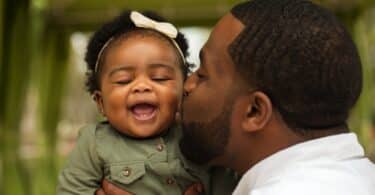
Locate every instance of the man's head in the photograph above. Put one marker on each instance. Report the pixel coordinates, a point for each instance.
(302, 58)
(275, 70)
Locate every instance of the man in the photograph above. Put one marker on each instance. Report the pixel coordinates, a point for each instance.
(271, 98)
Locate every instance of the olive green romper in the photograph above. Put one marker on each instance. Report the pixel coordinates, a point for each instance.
(140, 166)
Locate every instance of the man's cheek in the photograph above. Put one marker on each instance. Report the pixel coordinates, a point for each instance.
(188, 110)
(200, 113)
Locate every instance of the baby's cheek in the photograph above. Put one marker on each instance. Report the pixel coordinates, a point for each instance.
(171, 102)
(172, 93)
(175, 99)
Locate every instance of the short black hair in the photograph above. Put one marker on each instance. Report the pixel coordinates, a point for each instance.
(116, 29)
(300, 56)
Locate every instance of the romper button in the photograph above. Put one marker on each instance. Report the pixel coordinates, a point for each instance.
(160, 147)
(170, 181)
(126, 172)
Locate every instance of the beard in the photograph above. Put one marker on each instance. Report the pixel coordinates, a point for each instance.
(202, 142)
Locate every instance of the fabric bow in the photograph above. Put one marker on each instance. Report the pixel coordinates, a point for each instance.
(142, 21)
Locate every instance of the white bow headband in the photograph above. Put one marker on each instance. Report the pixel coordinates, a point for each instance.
(142, 21)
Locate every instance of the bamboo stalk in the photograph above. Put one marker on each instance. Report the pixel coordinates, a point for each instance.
(14, 178)
(2, 63)
(362, 118)
(51, 91)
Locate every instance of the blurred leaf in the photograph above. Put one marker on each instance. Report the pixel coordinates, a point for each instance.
(15, 70)
(363, 113)
(46, 32)
(51, 83)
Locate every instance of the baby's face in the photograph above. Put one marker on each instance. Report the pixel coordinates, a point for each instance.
(141, 86)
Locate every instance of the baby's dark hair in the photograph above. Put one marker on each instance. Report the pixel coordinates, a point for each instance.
(300, 56)
(117, 29)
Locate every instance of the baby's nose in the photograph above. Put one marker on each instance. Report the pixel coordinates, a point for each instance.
(141, 87)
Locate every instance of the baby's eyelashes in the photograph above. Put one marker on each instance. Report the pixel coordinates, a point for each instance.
(122, 78)
(123, 82)
(155, 79)
(161, 79)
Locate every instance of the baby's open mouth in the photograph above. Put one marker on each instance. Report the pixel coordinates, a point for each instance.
(144, 111)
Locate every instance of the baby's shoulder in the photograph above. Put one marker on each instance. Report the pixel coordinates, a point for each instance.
(87, 132)
(93, 132)
(104, 129)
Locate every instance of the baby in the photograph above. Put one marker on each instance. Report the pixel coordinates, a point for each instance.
(136, 68)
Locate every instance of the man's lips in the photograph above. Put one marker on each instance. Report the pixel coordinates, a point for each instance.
(144, 111)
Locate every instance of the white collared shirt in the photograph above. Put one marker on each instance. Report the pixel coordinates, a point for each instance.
(333, 165)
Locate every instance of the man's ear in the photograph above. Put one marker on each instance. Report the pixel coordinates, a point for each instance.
(258, 112)
(97, 96)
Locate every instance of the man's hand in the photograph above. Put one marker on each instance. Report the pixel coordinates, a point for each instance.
(195, 189)
(110, 189)
(99, 192)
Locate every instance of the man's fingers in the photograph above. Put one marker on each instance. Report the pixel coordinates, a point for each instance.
(100, 192)
(194, 189)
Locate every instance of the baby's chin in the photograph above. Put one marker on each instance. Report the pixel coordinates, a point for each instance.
(143, 131)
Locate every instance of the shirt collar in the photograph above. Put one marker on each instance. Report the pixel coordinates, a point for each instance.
(335, 147)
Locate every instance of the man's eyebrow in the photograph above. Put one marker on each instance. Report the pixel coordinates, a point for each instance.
(121, 68)
(202, 58)
(201, 55)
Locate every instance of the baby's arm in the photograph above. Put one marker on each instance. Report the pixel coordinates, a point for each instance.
(82, 174)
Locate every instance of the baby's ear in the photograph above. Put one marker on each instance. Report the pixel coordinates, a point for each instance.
(97, 97)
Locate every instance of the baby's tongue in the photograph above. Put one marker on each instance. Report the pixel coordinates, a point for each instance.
(143, 110)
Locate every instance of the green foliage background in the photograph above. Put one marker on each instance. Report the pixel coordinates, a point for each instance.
(34, 53)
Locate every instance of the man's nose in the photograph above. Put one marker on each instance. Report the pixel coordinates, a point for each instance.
(190, 84)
